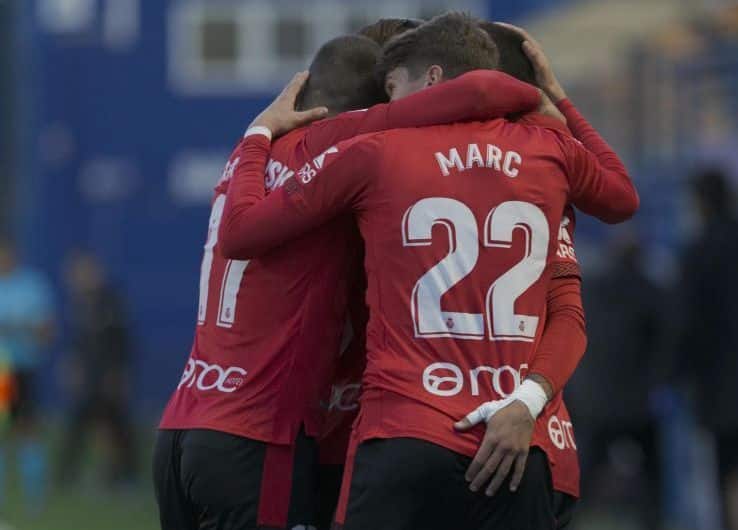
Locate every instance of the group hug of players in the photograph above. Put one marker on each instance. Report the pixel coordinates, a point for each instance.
(448, 211)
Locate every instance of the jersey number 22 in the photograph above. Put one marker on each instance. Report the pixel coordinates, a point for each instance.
(502, 322)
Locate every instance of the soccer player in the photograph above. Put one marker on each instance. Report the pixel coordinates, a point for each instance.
(342, 406)
(554, 359)
(564, 339)
(236, 446)
(459, 222)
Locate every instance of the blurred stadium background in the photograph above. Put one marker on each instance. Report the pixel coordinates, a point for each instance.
(116, 117)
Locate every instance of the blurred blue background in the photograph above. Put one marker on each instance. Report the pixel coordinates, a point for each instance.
(122, 115)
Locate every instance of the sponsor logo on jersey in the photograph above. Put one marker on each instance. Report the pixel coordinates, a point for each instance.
(205, 377)
(276, 174)
(448, 379)
(566, 244)
(230, 167)
(561, 433)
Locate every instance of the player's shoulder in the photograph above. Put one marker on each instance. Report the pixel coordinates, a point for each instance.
(553, 137)
(561, 138)
(529, 137)
(357, 152)
(339, 120)
(516, 128)
(361, 151)
(545, 121)
(548, 129)
(365, 142)
(287, 145)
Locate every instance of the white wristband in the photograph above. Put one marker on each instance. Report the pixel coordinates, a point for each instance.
(532, 395)
(258, 130)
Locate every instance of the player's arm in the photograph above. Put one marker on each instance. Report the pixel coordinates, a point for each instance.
(475, 96)
(511, 421)
(600, 183)
(564, 338)
(252, 224)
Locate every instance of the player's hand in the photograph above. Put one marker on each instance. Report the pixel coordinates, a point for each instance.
(281, 117)
(547, 108)
(545, 76)
(504, 448)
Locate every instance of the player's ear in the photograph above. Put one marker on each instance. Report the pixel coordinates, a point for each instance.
(433, 75)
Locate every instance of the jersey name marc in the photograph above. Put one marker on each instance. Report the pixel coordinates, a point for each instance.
(507, 162)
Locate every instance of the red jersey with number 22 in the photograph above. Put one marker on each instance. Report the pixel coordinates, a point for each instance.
(459, 223)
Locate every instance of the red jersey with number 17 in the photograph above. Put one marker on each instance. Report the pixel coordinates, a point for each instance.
(269, 329)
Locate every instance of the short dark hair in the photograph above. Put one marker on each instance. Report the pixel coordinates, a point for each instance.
(386, 28)
(454, 41)
(512, 58)
(342, 76)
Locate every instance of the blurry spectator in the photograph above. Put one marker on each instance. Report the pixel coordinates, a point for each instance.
(26, 326)
(609, 393)
(709, 345)
(97, 372)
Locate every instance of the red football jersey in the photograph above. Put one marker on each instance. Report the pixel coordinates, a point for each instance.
(554, 431)
(459, 223)
(343, 406)
(269, 328)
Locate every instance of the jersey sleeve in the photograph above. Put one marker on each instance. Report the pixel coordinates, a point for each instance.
(252, 224)
(564, 338)
(475, 96)
(599, 182)
(564, 261)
